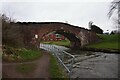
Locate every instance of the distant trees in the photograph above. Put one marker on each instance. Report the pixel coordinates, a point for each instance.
(5, 28)
(11, 35)
(95, 28)
(112, 32)
(6, 19)
(115, 32)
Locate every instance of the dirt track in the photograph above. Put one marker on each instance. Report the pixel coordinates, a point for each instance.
(41, 70)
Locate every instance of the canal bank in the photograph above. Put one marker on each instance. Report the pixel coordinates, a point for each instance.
(108, 44)
(115, 51)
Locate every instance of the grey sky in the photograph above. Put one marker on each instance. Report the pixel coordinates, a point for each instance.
(74, 12)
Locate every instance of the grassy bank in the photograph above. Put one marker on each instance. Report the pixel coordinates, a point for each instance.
(20, 54)
(108, 42)
(61, 43)
(55, 70)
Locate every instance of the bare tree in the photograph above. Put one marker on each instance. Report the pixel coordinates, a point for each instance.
(11, 33)
(115, 6)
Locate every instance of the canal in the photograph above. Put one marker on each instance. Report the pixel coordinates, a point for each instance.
(89, 64)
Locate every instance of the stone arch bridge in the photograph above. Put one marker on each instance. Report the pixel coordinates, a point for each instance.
(78, 36)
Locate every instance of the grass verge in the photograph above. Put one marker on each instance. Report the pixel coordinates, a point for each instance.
(60, 43)
(55, 70)
(108, 42)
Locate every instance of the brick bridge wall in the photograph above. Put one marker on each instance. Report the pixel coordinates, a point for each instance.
(79, 36)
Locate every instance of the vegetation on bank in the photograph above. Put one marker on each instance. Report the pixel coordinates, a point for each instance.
(61, 43)
(107, 42)
(55, 70)
(11, 54)
(14, 43)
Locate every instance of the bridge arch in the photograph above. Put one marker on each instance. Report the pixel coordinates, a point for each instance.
(74, 40)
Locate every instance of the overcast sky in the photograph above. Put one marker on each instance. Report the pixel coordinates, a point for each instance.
(75, 12)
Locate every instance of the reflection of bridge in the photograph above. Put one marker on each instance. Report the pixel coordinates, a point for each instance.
(78, 36)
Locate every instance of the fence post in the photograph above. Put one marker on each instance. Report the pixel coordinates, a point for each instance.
(62, 56)
(49, 47)
(71, 66)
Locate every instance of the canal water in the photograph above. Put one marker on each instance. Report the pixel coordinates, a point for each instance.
(89, 64)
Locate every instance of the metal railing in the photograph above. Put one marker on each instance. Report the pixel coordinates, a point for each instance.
(60, 56)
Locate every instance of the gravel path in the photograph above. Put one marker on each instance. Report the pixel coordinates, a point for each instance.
(41, 69)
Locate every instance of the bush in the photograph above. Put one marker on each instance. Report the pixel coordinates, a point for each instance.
(11, 54)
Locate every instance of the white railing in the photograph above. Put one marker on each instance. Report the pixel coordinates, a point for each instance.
(60, 56)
